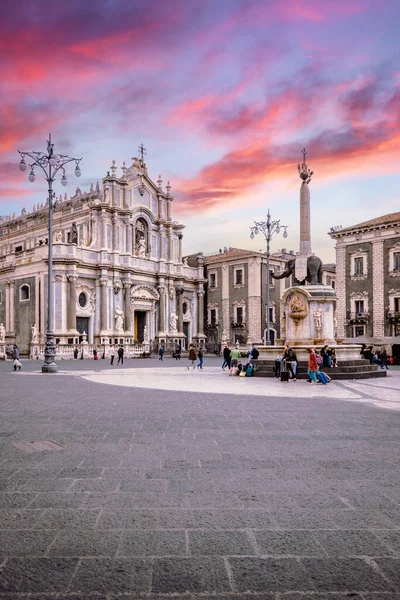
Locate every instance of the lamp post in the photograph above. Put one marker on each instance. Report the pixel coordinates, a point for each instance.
(268, 228)
(50, 164)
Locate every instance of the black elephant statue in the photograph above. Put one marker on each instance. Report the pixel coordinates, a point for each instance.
(314, 271)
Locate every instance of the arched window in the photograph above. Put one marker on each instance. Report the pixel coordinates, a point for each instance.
(24, 293)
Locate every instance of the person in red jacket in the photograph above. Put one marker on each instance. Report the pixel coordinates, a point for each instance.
(312, 365)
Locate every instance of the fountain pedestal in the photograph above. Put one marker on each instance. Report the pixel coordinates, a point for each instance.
(307, 315)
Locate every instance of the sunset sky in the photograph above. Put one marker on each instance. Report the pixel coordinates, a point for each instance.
(224, 94)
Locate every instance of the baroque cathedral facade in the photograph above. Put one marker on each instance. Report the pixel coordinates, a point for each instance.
(118, 272)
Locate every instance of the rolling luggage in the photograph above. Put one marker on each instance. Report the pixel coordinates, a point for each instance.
(284, 371)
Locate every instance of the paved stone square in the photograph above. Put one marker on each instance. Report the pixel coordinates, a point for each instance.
(165, 483)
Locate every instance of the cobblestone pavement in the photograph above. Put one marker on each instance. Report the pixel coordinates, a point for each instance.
(160, 491)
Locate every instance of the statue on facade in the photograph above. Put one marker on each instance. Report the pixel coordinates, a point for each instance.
(74, 233)
(172, 322)
(141, 248)
(171, 292)
(2, 334)
(119, 319)
(58, 237)
(35, 334)
(145, 335)
(317, 319)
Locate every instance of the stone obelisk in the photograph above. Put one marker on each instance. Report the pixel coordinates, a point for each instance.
(305, 223)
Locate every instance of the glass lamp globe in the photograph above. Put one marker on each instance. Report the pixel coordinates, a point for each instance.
(31, 176)
(256, 230)
(22, 164)
(64, 180)
(285, 234)
(252, 235)
(78, 172)
(52, 162)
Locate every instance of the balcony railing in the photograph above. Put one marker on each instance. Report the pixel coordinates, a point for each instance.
(357, 317)
(393, 316)
(240, 325)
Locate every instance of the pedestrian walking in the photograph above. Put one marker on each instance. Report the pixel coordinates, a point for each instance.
(192, 357)
(112, 354)
(161, 352)
(17, 364)
(227, 358)
(200, 356)
(95, 355)
(120, 355)
(384, 360)
(312, 365)
(235, 356)
(178, 352)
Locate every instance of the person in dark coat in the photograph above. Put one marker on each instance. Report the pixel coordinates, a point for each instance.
(192, 356)
(200, 356)
(254, 353)
(227, 358)
(161, 353)
(120, 355)
(326, 356)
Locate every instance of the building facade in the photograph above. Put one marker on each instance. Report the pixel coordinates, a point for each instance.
(236, 294)
(368, 279)
(118, 270)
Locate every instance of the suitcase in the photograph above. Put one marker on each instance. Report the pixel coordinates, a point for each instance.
(285, 376)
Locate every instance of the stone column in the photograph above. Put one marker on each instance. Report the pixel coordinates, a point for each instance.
(161, 240)
(180, 236)
(378, 305)
(71, 302)
(127, 306)
(103, 304)
(103, 231)
(226, 323)
(200, 313)
(12, 301)
(305, 223)
(254, 317)
(37, 308)
(168, 210)
(179, 293)
(161, 324)
(170, 246)
(7, 323)
(340, 290)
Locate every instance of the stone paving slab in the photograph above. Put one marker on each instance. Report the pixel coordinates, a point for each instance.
(163, 493)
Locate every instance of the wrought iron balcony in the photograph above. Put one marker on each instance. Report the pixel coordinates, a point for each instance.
(393, 316)
(355, 318)
(212, 326)
(240, 325)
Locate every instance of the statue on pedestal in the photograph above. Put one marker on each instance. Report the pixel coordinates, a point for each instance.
(119, 319)
(74, 233)
(2, 334)
(145, 335)
(172, 322)
(317, 319)
(35, 334)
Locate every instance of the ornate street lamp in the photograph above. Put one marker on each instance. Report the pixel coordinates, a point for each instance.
(50, 164)
(268, 228)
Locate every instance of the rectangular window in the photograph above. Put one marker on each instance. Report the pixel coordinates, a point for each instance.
(396, 261)
(239, 277)
(239, 315)
(396, 304)
(359, 331)
(333, 284)
(271, 315)
(213, 316)
(18, 249)
(358, 266)
(359, 306)
(213, 280)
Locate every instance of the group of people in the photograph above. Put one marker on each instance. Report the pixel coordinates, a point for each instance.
(380, 358)
(232, 361)
(120, 353)
(317, 362)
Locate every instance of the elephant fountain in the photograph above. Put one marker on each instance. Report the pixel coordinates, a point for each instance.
(314, 271)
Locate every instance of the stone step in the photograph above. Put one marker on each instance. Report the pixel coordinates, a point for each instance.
(335, 376)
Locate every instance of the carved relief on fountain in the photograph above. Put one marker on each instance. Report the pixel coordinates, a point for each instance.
(298, 307)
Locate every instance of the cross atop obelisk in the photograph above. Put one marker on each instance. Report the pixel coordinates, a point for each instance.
(305, 224)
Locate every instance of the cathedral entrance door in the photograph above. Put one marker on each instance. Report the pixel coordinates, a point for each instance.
(140, 322)
(82, 325)
(186, 333)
